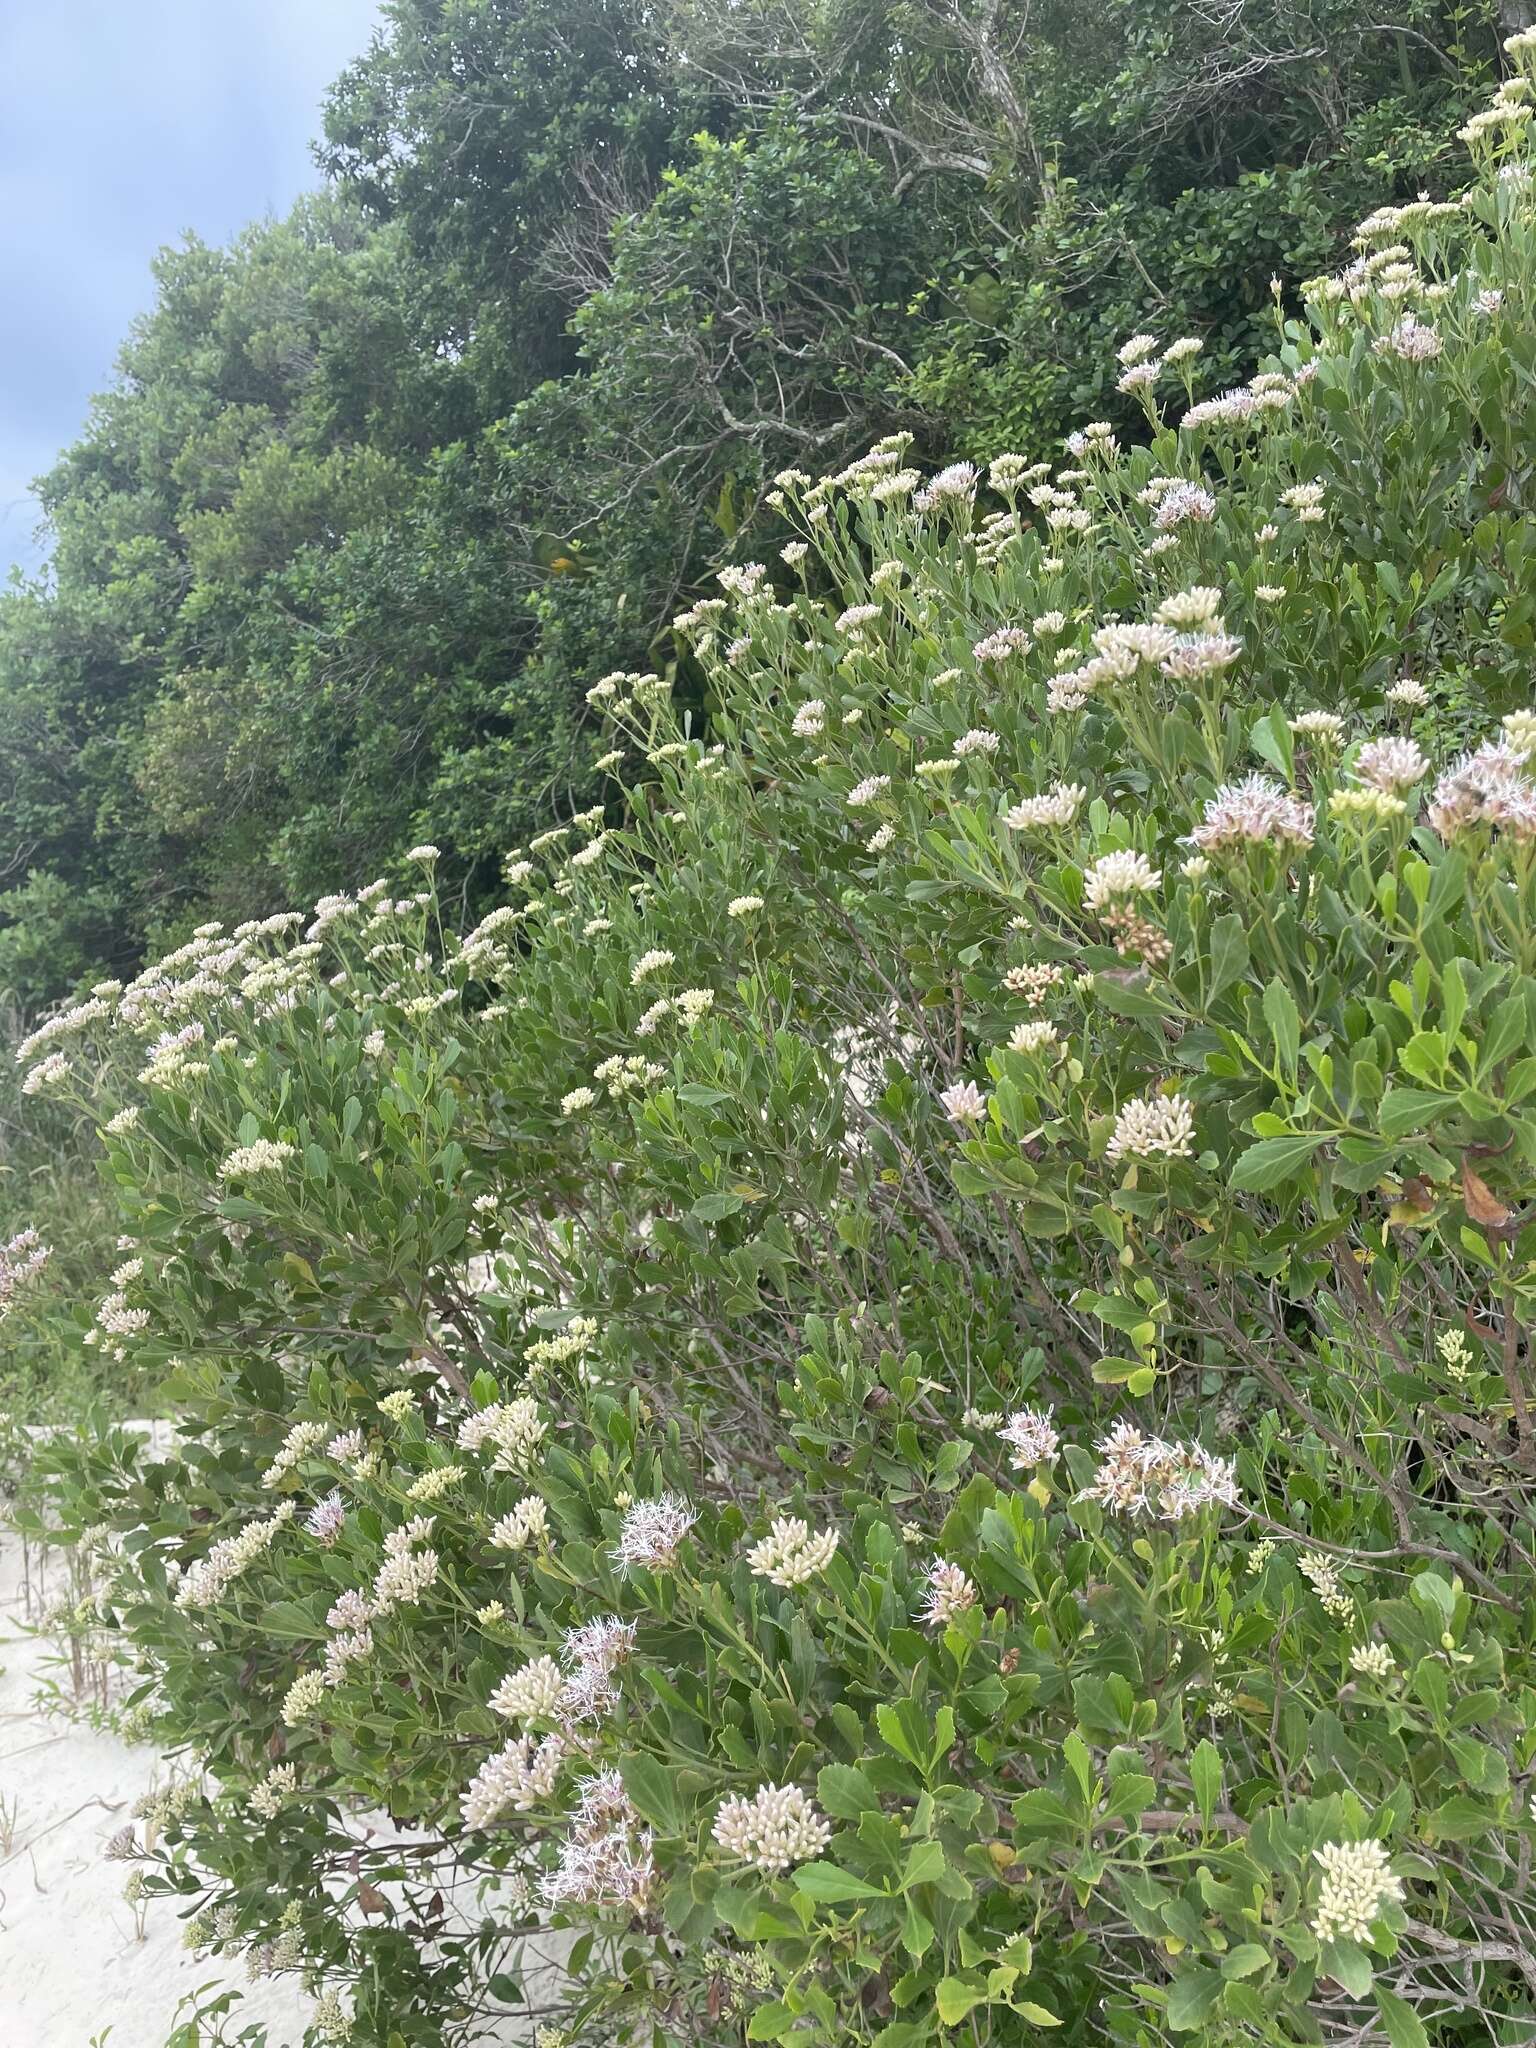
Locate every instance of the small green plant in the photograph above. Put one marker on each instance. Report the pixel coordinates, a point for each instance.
(899, 1402)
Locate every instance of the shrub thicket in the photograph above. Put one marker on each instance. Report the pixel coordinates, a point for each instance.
(903, 1395)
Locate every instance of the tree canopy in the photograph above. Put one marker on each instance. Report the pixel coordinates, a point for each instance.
(376, 486)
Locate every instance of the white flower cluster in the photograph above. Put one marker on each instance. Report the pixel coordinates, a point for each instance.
(526, 1523)
(266, 1155)
(652, 962)
(792, 1553)
(206, 1582)
(1114, 876)
(1322, 1574)
(652, 1531)
(531, 1693)
(1141, 1475)
(268, 1799)
(303, 1438)
(513, 1780)
(516, 1428)
(1372, 1660)
(1031, 1437)
(406, 1572)
(1357, 1882)
(1153, 1127)
(1055, 809)
(776, 1827)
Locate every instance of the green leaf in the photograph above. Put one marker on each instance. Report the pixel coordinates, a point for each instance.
(1205, 1774)
(1404, 2027)
(1130, 1795)
(845, 1792)
(1273, 1160)
(954, 1997)
(714, 1208)
(769, 2022)
(830, 1886)
(1229, 952)
(891, 1723)
(652, 1786)
(1284, 1022)
(1409, 1109)
(1192, 1998)
(1246, 1960)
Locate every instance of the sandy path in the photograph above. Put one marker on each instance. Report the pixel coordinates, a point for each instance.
(72, 1971)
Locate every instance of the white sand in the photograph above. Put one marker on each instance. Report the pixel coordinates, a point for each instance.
(72, 1969)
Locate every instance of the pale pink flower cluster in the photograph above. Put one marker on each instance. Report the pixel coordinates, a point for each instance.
(607, 1859)
(1185, 503)
(1254, 812)
(1412, 339)
(20, 1261)
(776, 1827)
(1142, 1475)
(1391, 764)
(963, 1103)
(954, 485)
(947, 1592)
(327, 1518)
(593, 1654)
(1489, 787)
(1000, 645)
(1033, 980)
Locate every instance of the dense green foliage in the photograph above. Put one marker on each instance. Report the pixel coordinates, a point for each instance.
(377, 482)
(901, 1397)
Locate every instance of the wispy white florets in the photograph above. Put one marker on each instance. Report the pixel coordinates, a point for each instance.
(652, 1531)
(1031, 1437)
(1140, 1475)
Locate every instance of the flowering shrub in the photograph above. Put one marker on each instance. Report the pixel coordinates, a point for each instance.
(901, 1397)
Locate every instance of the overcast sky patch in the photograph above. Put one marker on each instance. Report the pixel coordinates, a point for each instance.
(123, 124)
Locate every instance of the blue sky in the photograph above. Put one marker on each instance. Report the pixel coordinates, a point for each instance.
(123, 123)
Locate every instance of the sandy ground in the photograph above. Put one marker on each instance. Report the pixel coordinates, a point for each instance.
(73, 1971)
